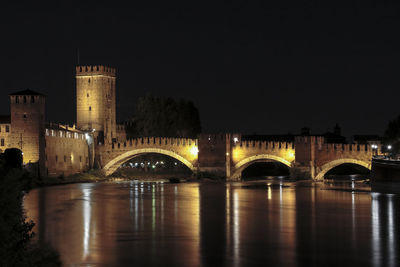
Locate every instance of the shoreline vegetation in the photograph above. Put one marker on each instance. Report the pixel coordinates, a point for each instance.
(17, 246)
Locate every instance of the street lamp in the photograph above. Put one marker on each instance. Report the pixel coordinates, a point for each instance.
(375, 149)
(389, 147)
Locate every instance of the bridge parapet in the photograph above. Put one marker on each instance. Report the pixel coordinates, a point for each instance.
(264, 144)
(154, 141)
(329, 152)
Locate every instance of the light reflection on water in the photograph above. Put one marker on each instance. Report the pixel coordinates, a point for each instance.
(212, 224)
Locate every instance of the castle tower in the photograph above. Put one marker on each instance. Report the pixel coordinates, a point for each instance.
(28, 126)
(95, 101)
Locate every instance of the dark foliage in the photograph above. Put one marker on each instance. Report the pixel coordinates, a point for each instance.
(392, 136)
(16, 246)
(13, 158)
(166, 117)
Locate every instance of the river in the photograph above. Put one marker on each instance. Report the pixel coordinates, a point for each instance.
(217, 224)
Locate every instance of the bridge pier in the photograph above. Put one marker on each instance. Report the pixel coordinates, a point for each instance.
(298, 171)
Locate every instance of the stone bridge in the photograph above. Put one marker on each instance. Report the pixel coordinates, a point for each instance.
(245, 153)
(113, 155)
(226, 155)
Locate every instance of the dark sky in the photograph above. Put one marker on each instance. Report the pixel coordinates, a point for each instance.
(250, 68)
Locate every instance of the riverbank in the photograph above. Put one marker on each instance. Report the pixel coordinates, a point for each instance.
(87, 177)
(95, 176)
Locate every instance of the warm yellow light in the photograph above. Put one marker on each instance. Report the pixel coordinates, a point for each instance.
(290, 155)
(194, 150)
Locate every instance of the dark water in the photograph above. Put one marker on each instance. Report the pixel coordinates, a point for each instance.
(239, 224)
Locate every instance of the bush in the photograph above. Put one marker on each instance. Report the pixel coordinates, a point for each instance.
(16, 246)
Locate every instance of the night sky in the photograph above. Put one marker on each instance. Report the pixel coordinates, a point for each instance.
(250, 68)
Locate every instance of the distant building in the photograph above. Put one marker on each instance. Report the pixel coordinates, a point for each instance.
(53, 149)
(5, 125)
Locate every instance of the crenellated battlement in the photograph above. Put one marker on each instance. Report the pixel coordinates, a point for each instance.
(156, 141)
(95, 70)
(332, 147)
(249, 144)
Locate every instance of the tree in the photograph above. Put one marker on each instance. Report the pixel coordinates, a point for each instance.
(165, 117)
(392, 135)
(17, 247)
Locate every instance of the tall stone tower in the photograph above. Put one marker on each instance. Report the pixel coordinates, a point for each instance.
(95, 101)
(28, 127)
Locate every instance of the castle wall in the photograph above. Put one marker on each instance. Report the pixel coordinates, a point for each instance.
(66, 153)
(4, 136)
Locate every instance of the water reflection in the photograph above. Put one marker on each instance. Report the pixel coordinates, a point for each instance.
(87, 214)
(384, 231)
(160, 224)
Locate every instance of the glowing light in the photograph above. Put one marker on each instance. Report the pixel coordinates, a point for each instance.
(235, 139)
(389, 147)
(227, 153)
(269, 192)
(290, 155)
(194, 151)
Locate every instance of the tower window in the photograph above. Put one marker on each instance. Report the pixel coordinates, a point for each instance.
(90, 108)
(7, 128)
(32, 99)
(24, 115)
(88, 80)
(2, 142)
(87, 94)
(24, 98)
(17, 99)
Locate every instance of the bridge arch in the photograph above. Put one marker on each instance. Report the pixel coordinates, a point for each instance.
(113, 164)
(244, 163)
(332, 164)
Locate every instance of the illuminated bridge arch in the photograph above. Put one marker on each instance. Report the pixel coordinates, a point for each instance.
(113, 164)
(243, 164)
(332, 164)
